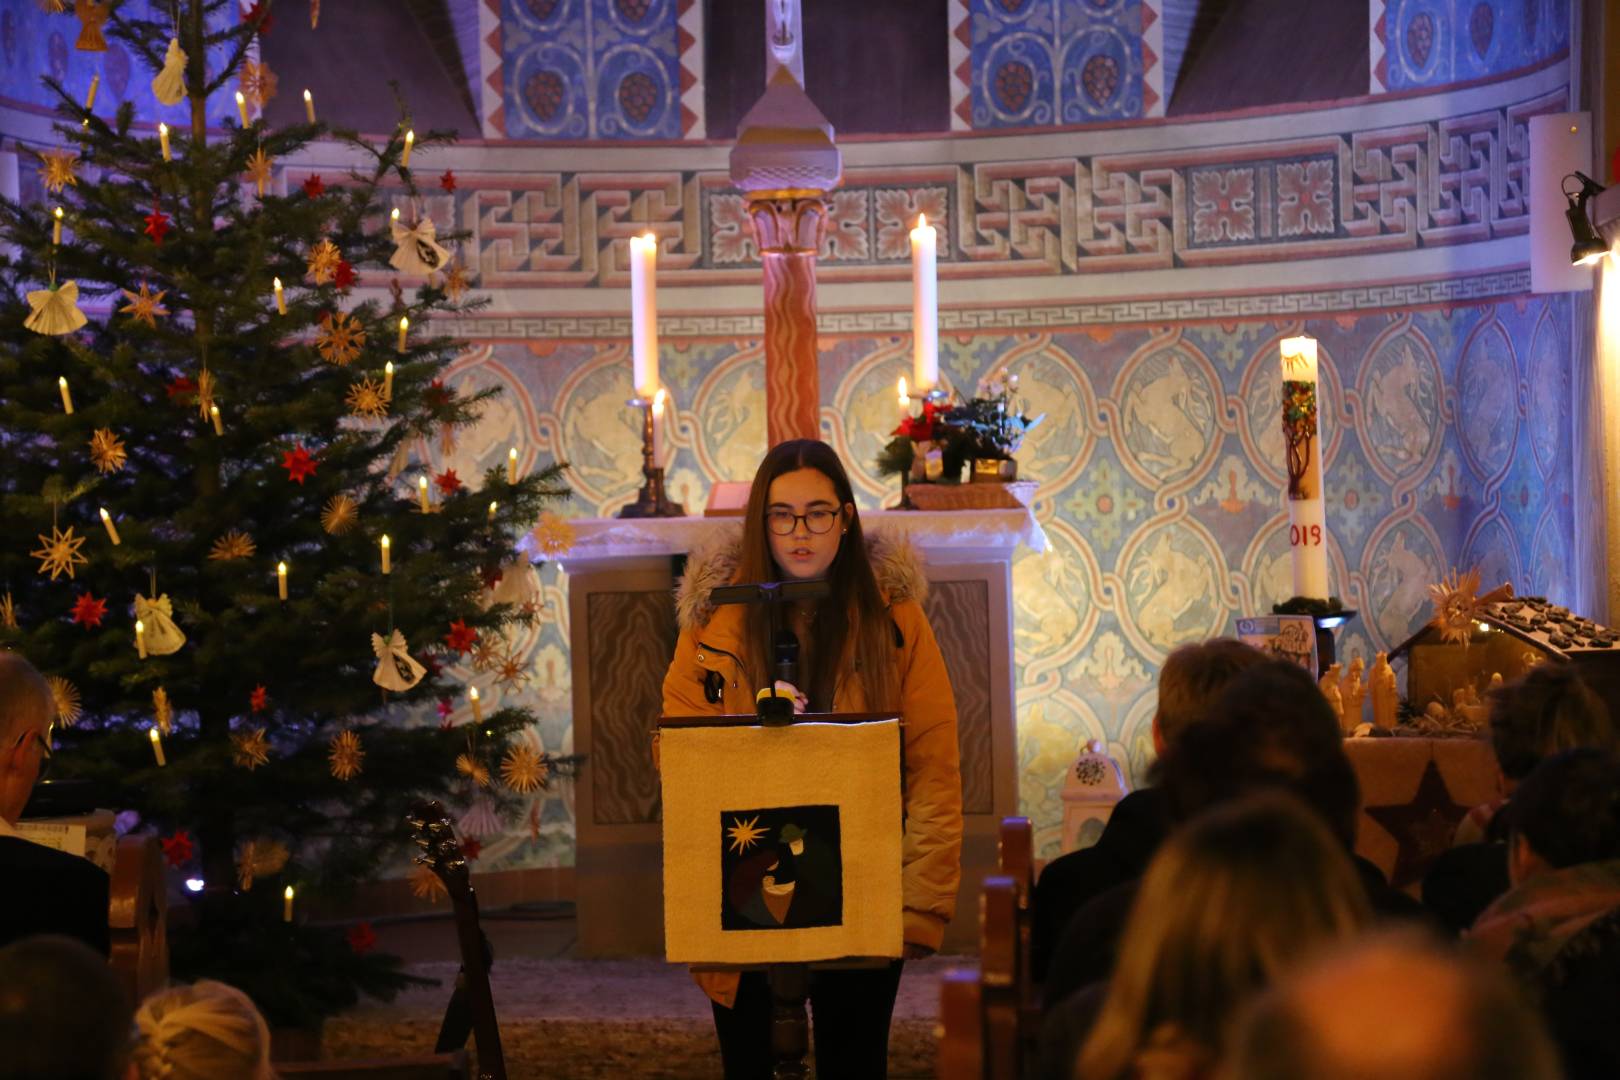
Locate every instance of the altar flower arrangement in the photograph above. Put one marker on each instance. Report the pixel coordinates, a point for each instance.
(987, 430)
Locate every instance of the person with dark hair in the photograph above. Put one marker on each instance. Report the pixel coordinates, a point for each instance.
(1394, 1007)
(1188, 682)
(867, 647)
(1269, 730)
(65, 894)
(1550, 709)
(63, 1014)
(1558, 927)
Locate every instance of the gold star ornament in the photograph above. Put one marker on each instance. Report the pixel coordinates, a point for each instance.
(250, 749)
(340, 338)
(323, 261)
(144, 306)
(366, 401)
(107, 451)
(473, 769)
(456, 281)
(61, 168)
(345, 755)
(258, 83)
(258, 169)
(59, 553)
(524, 769)
(339, 515)
(235, 544)
(65, 696)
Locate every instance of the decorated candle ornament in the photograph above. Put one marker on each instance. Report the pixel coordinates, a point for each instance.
(477, 704)
(163, 141)
(112, 530)
(140, 638)
(511, 465)
(281, 580)
(90, 98)
(644, 313)
(157, 745)
(241, 108)
(67, 398)
(56, 226)
(1302, 440)
(924, 307)
(309, 107)
(281, 297)
(219, 425)
(410, 141)
(287, 904)
(388, 381)
(404, 328)
(387, 551)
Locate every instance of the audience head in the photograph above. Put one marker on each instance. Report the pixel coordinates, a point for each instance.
(1189, 681)
(26, 713)
(207, 1031)
(1393, 1007)
(1565, 813)
(1550, 709)
(63, 1014)
(1232, 899)
(1270, 728)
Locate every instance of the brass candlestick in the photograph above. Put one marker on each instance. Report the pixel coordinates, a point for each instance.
(652, 502)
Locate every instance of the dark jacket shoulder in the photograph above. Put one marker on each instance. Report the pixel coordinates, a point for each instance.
(51, 892)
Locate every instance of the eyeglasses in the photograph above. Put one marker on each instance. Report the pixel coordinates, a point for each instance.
(44, 738)
(783, 522)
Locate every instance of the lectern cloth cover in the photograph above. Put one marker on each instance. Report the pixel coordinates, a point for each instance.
(781, 844)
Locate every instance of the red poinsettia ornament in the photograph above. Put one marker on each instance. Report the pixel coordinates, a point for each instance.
(448, 482)
(921, 428)
(344, 276)
(259, 700)
(461, 637)
(314, 186)
(448, 180)
(157, 224)
(299, 464)
(88, 611)
(177, 849)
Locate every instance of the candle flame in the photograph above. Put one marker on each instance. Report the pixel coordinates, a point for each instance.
(472, 693)
(306, 95)
(287, 892)
(922, 221)
(58, 213)
(404, 323)
(385, 540)
(277, 282)
(281, 568)
(140, 627)
(239, 98)
(153, 732)
(163, 129)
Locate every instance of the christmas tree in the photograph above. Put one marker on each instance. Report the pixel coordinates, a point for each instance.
(249, 582)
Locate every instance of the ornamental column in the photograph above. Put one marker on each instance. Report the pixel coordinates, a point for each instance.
(784, 163)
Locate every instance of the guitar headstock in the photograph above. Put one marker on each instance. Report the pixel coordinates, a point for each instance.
(435, 834)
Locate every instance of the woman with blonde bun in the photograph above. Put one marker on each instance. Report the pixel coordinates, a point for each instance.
(207, 1031)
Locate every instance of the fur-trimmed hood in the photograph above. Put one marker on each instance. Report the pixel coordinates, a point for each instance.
(895, 563)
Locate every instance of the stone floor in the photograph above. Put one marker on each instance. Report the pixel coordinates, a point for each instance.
(563, 1017)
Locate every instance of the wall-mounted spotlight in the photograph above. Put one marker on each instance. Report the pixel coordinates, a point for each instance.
(1589, 246)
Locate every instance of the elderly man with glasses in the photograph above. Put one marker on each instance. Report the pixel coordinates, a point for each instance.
(42, 891)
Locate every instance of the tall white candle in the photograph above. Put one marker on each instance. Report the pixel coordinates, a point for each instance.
(511, 466)
(90, 98)
(140, 639)
(924, 307)
(658, 427)
(157, 745)
(477, 704)
(241, 108)
(422, 493)
(67, 398)
(56, 226)
(1302, 440)
(281, 297)
(388, 381)
(644, 312)
(410, 141)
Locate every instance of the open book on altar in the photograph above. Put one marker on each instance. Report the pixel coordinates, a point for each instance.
(781, 843)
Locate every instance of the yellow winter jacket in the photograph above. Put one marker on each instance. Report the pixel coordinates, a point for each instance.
(711, 640)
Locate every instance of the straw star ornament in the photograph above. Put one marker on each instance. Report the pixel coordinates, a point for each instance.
(61, 168)
(340, 338)
(107, 451)
(144, 306)
(59, 553)
(365, 400)
(323, 261)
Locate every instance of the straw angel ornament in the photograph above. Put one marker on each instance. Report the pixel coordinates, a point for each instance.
(56, 309)
(157, 620)
(396, 670)
(416, 250)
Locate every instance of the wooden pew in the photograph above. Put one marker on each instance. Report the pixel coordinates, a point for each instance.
(961, 1026)
(1017, 860)
(138, 916)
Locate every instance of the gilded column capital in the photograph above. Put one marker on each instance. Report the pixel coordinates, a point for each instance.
(788, 223)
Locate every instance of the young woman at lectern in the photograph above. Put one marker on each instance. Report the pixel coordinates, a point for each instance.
(865, 648)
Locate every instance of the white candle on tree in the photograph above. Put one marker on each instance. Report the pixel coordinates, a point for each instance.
(1302, 442)
(924, 307)
(644, 313)
(163, 141)
(157, 745)
(387, 555)
(309, 106)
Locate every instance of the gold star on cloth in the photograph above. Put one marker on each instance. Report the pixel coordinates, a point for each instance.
(144, 306)
(473, 769)
(65, 696)
(340, 338)
(259, 858)
(235, 544)
(56, 310)
(323, 261)
(339, 515)
(524, 769)
(258, 83)
(162, 710)
(345, 755)
(744, 834)
(258, 169)
(59, 553)
(365, 400)
(8, 612)
(426, 885)
(61, 168)
(456, 281)
(250, 749)
(107, 451)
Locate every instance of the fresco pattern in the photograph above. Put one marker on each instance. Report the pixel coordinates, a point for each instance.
(1448, 444)
(1430, 43)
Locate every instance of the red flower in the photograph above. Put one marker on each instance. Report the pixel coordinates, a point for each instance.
(299, 464)
(89, 611)
(259, 700)
(362, 938)
(448, 180)
(181, 387)
(461, 637)
(344, 276)
(157, 223)
(257, 14)
(445, 708)
(177, 849)
(920, 428)
(472, 847)
(491, 576)
(437, 396)
(314, 187)
(448, 482)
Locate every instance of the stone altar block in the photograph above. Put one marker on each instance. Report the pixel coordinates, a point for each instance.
(621, 579)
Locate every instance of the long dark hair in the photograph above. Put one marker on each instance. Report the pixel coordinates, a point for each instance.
(853, 623)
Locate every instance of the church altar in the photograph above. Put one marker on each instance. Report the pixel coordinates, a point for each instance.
(621, 579)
